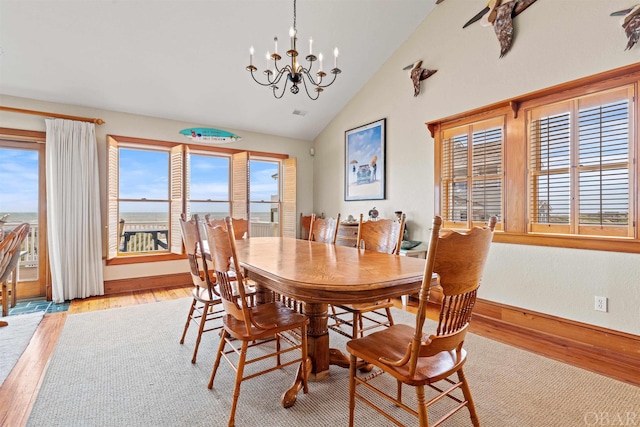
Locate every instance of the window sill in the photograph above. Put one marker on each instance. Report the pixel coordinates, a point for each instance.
(140, 259)
(573, 242)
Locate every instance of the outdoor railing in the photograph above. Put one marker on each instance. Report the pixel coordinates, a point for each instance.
(30, 244)
(138, 242)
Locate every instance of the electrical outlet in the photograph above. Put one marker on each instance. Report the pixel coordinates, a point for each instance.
(601, 304)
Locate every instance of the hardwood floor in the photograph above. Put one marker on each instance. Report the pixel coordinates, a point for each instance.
(19, 391)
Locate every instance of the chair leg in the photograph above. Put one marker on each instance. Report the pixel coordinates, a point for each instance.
(423, 416)
(203, 320)
(5, 299)
(239, 374)
(186, 326)
(466, 391)
(354, 327)
(278, 350)
(389, 316)
(352, 389)
(305, 360)
(216, 364)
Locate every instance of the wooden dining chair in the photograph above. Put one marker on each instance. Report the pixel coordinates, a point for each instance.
(305, 226)
(416, 359)
(205, 307)
(205, 294)
(240, 226)
(324, 230)
(247, 327)
(9, 258)
(383, 235)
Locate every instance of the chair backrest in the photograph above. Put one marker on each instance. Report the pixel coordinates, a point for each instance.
(193, 243)
(222, 245)
(10, 250)
(240, 226)
(324, 230)
(305, 226)
(383, 235)
(458, 259)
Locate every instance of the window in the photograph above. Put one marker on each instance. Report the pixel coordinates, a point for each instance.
(471, 173)
(152, 182)
(264, 197)
(579, 165)
(558, 167)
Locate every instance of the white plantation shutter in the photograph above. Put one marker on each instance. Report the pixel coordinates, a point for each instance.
(177, 198)
(187, 181)
(289, 188)
(240, 186)
(113, 222)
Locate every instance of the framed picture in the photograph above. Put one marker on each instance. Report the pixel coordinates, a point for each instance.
(365, 162)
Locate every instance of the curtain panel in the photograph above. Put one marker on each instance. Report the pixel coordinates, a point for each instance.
(73, 210)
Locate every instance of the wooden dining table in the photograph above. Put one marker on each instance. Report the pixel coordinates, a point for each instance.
(319, 274)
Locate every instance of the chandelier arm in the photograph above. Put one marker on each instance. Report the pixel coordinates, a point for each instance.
(260, 83)
(307, 90)
(276, 79)
(307, 72)
(283, 89)
(328, 84)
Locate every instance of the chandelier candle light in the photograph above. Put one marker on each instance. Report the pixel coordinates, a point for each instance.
(294, 72)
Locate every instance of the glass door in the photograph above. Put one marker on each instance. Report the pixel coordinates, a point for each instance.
(22, 195)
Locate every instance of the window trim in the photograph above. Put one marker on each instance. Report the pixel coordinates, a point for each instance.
(515, 154)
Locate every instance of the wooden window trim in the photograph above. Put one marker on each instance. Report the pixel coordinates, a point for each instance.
(515, 155)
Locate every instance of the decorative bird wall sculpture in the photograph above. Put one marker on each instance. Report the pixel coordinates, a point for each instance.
(417, 74)
(500, 14)
(631, 24)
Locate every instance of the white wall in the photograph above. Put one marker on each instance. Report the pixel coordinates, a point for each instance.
(161, 129)
(555, 41)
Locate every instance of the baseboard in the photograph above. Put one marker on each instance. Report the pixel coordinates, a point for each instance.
(133, 284)
(605, 351)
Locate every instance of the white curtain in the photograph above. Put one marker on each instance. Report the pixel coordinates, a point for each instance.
(73, 210)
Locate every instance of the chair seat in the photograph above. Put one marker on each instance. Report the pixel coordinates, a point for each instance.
(264, 315)
(391, 343)
(201, 294)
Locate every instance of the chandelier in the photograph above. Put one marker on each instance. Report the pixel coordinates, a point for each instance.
(294, 72)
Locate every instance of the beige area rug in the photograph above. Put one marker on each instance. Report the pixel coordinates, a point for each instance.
(125, 367)
(15, 338)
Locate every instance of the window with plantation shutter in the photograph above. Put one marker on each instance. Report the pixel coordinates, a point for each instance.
(580, 165)
(471, 173)
(558, 166)
(151, 183)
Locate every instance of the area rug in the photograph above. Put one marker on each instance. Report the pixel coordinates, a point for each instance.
(15, 338)
(125, 367)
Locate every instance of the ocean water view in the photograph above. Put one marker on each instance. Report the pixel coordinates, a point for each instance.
(137, 217)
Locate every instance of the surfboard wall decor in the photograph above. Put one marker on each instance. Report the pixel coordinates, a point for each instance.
(210, 135)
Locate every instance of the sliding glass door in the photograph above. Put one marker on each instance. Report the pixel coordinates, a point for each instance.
(22, 195)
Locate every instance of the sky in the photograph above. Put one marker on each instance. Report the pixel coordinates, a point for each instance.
(19, 178)
(139, 177)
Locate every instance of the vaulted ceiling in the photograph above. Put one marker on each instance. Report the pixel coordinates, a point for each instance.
(186, 59)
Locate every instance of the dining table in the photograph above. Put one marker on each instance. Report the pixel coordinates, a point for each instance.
(319, 274)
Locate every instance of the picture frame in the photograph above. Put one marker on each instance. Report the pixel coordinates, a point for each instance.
(365, 162)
